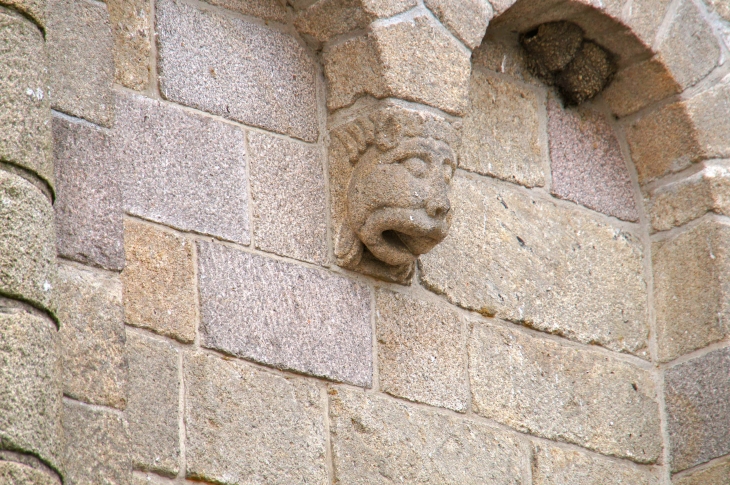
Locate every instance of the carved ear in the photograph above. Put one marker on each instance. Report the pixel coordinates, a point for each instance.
(348, 248)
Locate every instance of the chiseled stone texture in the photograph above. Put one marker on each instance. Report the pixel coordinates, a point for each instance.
(466, 19)
(709, 114)
(30, 394)
(92, 337)
(80, 48)
(27, 241)
(689, 48)
(289, 197)
(718, 474)
(222, 65)
(534, 262)
(564, 393)
(97, 446)
(175, 176)
(397, 59)
(154, 399)
(25, 109)
(245, 425)
(502, 134)
(680, 202)
(555, 466)
(159, 281)
(638, 86)
(698, 409)
(131, 25)
(285, 315)
(35, 9)
(379, 440)
(586, 162)
(88, 206)
(263, 9)
(421, 351)
(691, 288)
(501, 52)
(12, 473)
(328, 18)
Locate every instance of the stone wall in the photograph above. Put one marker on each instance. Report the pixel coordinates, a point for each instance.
(195, 322)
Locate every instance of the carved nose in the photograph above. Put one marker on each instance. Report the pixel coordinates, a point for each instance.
(438, 206)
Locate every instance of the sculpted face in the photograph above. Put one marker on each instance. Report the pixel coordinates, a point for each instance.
(397, 201)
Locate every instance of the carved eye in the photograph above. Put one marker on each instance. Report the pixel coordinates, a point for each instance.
(416, 166)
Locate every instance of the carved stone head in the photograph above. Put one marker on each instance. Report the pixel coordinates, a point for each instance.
(391, 170)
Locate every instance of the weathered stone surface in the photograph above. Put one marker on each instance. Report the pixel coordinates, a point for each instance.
(131, 24)
(97, 446)
(638, 86)
(352, 70)
(263, 9)
(467, 20)
(689, 49)
(154, 398)
(35, 9)
(500, 52)
(92, 337)
(555, 466)
(12, 473)
(173, 175)
(223, 65)
(644, 18)
(285, 315)
(25, 109)
(587, 165)
(662, 142)
(247, 425)
(544, 266)
(30, 396)
(708, 111)
(289, 197)
(719, 474)
(80, 48)
(379, 440)
(421, 351)
(328, 18)
(159, 281)
(680, 202)
(27, 241)
(698, 409)
(722, 7)
(503, 133)
(691, 288)
(564, 393)
(88, 206)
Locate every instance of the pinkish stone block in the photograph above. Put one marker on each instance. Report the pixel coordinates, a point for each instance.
(586, 161)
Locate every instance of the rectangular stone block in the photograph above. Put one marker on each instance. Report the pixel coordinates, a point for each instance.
(504, 130)
(467, 20)
(697, 395)
(174, 176)
(708, 111)
(677, 203)
(352, 69)
(380, 440)
(717, 474)
(245, 425)
(30, 394)
(154, 400)
(97, 446)
(263, 9)
(557, 466)
(586, 162)
(285, 315)
(222, 64)
(25, 108)
(131, 25)
(81, 60)
(691, 288)
(638, 86)
(564, 393)
(92, 336)
(88, 205)
(289, 197)
(159, 281)
(421, 351)
(533, 262)
(27, 242)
